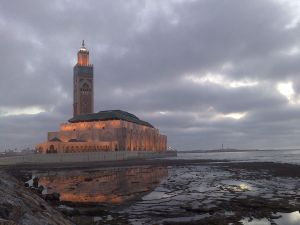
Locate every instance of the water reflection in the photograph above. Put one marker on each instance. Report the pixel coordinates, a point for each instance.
(289, 218)
(116, 185)
(284, 219)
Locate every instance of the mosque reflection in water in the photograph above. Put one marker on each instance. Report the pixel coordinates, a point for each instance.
(114, 186)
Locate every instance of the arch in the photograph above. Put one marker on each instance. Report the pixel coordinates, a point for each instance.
(51, 149)
(85, 86)
(40, 149)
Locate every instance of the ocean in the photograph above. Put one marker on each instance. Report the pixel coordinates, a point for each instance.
(280, 156)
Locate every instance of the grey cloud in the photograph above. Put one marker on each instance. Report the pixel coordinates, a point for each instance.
(141, 51)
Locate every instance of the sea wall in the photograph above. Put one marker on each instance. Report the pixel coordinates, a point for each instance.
(82, 157)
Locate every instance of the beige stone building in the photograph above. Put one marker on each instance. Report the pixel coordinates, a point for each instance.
(112, 130)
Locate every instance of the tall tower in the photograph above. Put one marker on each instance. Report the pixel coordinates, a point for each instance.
(83, 83)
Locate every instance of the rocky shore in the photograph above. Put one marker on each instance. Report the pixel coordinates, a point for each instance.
(167, 192)
(20, 206)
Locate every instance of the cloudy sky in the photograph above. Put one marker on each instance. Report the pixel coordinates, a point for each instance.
(205, 72)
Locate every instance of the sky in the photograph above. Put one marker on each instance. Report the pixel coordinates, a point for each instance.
(205, 72)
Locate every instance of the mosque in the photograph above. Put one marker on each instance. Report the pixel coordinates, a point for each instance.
(110, 130)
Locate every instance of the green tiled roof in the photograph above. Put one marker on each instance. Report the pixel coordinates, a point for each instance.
(109, 115)
(55, 139)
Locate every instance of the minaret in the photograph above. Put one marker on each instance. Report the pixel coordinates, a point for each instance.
(83, 83)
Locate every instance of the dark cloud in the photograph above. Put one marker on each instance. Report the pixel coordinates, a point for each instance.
(144, 54)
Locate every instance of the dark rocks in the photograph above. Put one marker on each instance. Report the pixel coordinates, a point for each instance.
(202, 210)
(93, 211)
(199, 195)
(88, 179)
(42, 207)
(35, 183)
(52, 197)
(4, 211)
(19, 205)
(70, 213)
(40, 189)
(275, 217)
(7, 222)
(56, 196)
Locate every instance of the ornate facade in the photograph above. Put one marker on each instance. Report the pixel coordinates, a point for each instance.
(113, 130)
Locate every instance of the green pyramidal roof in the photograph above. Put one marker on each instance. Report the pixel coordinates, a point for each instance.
(109, 115)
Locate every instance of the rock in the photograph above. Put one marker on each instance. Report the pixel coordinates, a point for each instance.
(40, 189)
(35, 183)
(52, 197)
(70, 212)
(26, 185)
(4, 211)
(56, 196)
(19, 205)
(202, 210)
(42, 207)
(7, 222)
(33, 188)
(274, 217)
(88, 179)
(109, 217)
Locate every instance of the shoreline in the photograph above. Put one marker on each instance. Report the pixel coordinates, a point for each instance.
(111, 164)
(276, 168)
(257, 170)
(82, 157)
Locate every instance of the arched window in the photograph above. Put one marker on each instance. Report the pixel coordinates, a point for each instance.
(51, 149)
(85, 88)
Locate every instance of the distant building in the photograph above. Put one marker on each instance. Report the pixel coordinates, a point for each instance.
(112, 130)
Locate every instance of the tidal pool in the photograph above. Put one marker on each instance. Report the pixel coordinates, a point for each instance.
(201, 194)
(114, 186)
(283, 219)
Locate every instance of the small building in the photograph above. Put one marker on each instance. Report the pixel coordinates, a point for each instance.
(112, 130)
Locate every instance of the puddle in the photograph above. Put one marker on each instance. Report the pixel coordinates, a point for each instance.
(156, 194)
(289, 218)
(115, 186)
(256, 222)
(234, 185)
(284, 219)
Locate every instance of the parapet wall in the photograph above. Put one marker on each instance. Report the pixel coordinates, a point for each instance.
(81, 157)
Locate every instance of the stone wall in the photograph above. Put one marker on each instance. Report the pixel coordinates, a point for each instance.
(81, 157)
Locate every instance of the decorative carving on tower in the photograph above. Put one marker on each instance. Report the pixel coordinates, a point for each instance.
(83, 83)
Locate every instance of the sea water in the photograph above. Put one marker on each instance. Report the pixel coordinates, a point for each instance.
(281, 156)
